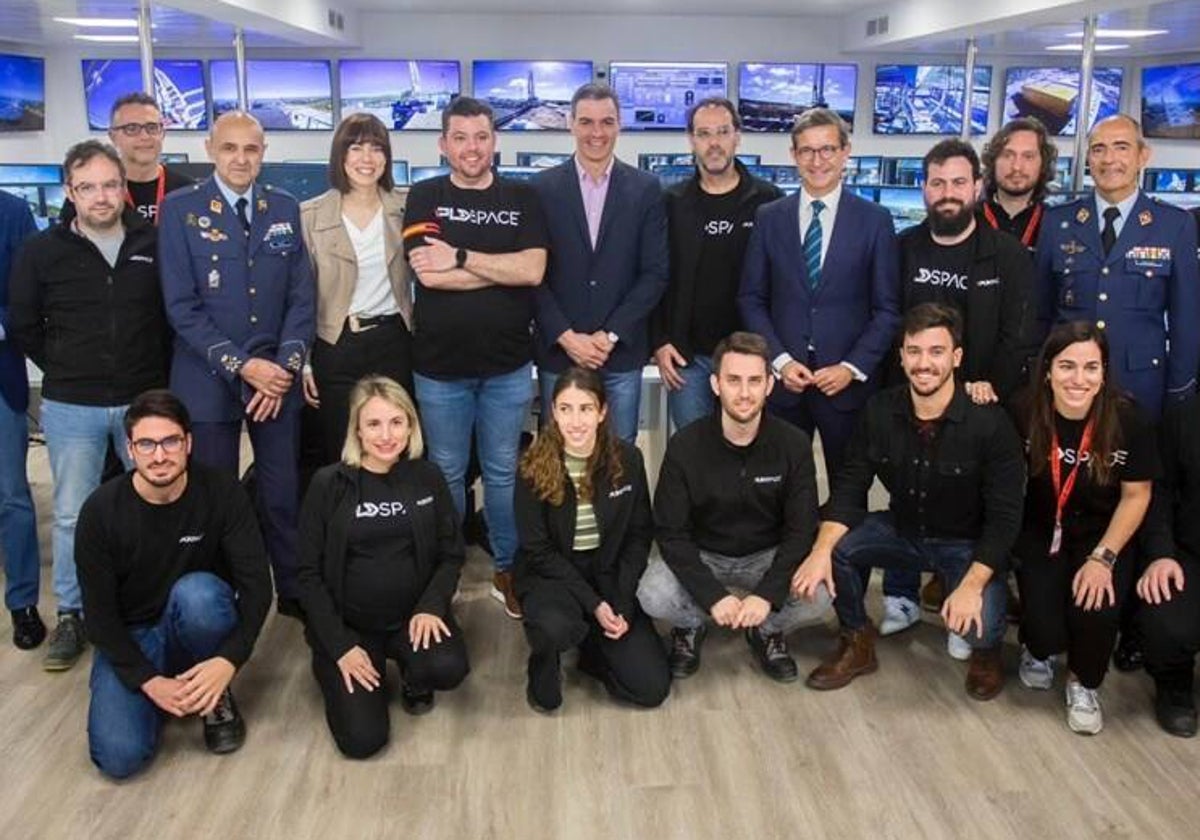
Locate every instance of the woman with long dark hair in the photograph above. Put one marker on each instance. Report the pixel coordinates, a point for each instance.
(1092, 459)
(585, 528)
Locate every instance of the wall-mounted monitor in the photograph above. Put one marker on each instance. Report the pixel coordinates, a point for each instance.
(1052, 95)
(529, 95)
(22, 93)
(903, 172)
(770, 96)
(928, 99)
(302, 180)
(424, 173)
(30, 173)
(174, 157)
(405, 95)
(519, 173)
(656, 95)
(864, 171)
(178, 86)
(400, 172)
(907, 206)
(292, 95)
(542, 160)
(1171, 101)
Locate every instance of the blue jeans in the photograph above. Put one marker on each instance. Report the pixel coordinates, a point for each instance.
(624, 392)
(876, 543)
(494, 408)
(77, 439)
(695, 399)
(18, 523)
(124, 724)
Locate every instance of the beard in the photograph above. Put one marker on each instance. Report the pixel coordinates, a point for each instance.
(950, 224)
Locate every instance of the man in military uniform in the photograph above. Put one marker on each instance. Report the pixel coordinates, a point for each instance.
(1128, 263)
(240, 295)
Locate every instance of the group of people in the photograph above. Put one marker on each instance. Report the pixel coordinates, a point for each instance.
(1020, 377)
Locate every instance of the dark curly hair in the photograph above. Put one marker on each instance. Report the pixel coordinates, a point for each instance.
(996, 145)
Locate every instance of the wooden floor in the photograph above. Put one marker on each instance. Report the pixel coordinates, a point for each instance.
(902, 753)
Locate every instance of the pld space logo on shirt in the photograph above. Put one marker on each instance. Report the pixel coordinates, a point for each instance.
(372, 510)
(942, 279)
(1069, 456)
(469, 216)
(718, 227)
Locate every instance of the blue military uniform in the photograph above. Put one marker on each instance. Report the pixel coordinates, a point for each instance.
(1144, 292)
(230, 296)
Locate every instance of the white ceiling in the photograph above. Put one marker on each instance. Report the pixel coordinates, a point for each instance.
(774, 8)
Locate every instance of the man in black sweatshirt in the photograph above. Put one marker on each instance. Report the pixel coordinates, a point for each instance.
(175, 587)
(735, 512)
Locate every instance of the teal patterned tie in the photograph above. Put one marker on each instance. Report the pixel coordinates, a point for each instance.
(812, 245)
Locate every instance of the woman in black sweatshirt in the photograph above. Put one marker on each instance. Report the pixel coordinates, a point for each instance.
(585, 527)
(380, 555)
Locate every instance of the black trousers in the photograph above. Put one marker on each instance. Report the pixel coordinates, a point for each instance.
(385, 350)
(632, 668)
(1170, 631)
(1051, 622)
(359, 722)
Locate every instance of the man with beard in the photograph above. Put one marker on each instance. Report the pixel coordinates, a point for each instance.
(952, 258)
(86, 307)
(175, 588)
(735, 510)
(1018, 164)
(955, 474)
(709, 219)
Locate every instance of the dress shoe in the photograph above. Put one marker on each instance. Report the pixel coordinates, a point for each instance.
(932, 595)
(503, 591)
(855, 656)
(1175, 711)
(1128, 656)
(985, 673)
(224, 728)
(28, 629)
(771, 651)
(543, 691)
(684, 658)
(416, 701)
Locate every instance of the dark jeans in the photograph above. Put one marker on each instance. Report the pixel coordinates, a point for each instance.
(633, 668)
(1051, 622)
(875, 543)
(359, 721)
(1170, 631)
(124, 725)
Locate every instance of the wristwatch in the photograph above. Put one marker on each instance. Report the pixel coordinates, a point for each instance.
(1103, 554)
(460, 257)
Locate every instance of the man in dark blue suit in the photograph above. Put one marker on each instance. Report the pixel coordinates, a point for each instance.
(18, 524)
(821, 282)
(608, 261)
(240, 295)
(1128, 263)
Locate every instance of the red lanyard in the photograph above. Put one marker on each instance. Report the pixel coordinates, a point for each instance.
(158, 192)
(1031, 226)
(1062, 492)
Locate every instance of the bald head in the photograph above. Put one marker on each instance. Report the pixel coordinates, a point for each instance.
(236, 146)
(1116, 156)
(1122, 122)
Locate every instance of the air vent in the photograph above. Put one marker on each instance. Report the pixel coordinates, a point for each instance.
(877, 26)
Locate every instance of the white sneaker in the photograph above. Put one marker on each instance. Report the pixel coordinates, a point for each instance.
(898, 614)
(958, 647)
(1083, 709)
(1037, 674)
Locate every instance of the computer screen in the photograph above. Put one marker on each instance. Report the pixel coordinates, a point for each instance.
(178, 86)
(1171, 101)
(771, 95)
(907, 206)
(529, 95)
(656, 95)
(405, 95)
(542, 160)
(424, 173)
(928, 99)
(400, 172)
(30, 173)
(292, 95)
(1052, 95)
(22, 93)
(302, 180)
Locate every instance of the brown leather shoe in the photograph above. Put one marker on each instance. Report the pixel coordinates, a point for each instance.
(502, 591)
(932, 595)
(855, 656)
(985, 673)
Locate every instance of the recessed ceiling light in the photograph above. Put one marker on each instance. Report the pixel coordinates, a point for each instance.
(1122, 33)
(100, 23)
(108, 39)
(1079, 47)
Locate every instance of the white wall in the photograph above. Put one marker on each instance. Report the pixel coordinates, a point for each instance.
(599, 38)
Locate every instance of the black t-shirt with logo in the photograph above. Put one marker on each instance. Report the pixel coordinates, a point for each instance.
(936, 273)
(381, 582)
(723, 241)
(483, 332)
(145, 193)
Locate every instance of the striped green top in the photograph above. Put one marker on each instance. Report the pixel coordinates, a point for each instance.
(587, 532)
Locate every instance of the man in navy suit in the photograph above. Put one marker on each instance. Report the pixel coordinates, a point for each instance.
(608, 261)
(239, 291)
(821, 283)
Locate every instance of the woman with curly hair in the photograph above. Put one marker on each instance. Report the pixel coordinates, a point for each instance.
(585, 527)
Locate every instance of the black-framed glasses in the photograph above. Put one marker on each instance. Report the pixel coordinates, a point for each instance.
(153, 129)
(146, 446)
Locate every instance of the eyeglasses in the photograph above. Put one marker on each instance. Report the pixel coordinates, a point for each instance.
(146, 446)
(153, 129)
(823, 152)
(709, 133)
(89, 190)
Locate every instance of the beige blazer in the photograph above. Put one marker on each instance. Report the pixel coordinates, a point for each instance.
(332, 256)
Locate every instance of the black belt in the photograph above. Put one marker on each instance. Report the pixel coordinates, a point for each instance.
(357, 324)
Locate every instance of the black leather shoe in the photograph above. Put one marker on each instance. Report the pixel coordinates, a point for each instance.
(1175, 710)
(1128, 656)
(772, 654)
(28, 629)
(224, 729)
(686, 642)
(415, 701)
(289, 607)
(543, 691)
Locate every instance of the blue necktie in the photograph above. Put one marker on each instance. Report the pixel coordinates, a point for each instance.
(812, 245)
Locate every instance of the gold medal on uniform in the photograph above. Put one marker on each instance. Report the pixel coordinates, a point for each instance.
(1083, 215)
(214, 206)
(1144, 218)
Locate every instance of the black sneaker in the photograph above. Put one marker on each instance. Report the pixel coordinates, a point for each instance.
(543, 691)
(415, 701)
(686, 642)
(772, 654)
(1175, 711)
(67, 641)
(28, 629)
(224, 729)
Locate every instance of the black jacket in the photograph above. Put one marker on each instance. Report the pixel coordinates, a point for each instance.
(332, 497)
(626, 531)
(99, 333)
(736, 500)
(999, 334)
(971, 489)
(670, 322)
(1172, 526)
